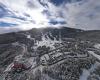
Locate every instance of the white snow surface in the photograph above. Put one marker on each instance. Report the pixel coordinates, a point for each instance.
(86, 73)
(19, 57)
(47, 42)
(9, 67)
(97, 46)
(95, 55)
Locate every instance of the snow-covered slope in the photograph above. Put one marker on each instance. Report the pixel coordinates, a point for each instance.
(48, 54)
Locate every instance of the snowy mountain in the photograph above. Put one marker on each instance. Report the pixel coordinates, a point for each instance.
(49, 54)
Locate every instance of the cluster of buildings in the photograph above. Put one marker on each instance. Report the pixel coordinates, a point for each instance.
(63, 50)
(66, 49)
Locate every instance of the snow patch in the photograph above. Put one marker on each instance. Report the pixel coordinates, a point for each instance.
(18, 58)
(15, 44)
(86, 73)
(9, 67)
(95, 55)
(32, 61)
(29, 36)
(97, 46)
(47, 42)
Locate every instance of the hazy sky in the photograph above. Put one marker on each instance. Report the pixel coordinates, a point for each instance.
(26, 14)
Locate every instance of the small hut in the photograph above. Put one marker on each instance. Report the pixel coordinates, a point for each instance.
(20, 66)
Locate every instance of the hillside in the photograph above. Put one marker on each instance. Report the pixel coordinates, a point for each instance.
(92, 35)
(50, 54)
